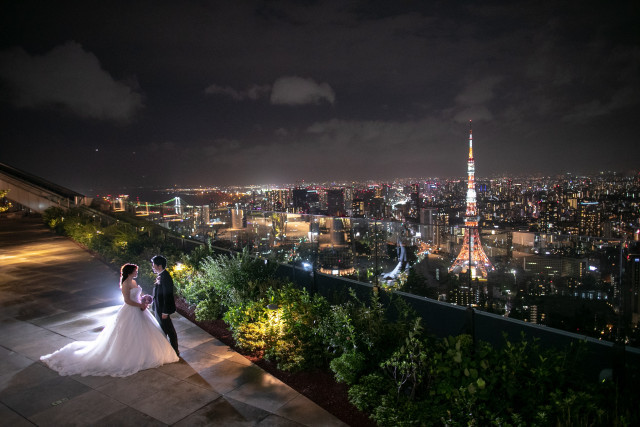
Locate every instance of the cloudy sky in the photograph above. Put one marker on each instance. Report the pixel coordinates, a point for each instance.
(97, 95)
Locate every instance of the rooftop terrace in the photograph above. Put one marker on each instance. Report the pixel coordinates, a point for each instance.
(53, 292)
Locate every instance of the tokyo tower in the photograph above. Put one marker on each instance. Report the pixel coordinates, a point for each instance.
(471, 254)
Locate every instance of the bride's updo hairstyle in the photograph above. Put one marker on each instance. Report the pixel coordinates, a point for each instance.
(126, 271)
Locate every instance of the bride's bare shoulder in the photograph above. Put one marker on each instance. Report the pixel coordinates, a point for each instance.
(127, 286)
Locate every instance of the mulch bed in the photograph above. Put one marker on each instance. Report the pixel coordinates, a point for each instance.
(318, 386)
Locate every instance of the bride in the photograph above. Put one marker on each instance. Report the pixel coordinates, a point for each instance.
(131, 341)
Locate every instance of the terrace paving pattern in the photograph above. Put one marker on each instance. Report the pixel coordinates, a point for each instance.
(53, 292)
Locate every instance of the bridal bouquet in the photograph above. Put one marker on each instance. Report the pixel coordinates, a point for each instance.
(146, 299)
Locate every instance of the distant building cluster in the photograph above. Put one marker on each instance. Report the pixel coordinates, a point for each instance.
(555, 242)
(606, 205)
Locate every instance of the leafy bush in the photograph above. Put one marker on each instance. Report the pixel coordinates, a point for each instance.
(80, 231)
(576, 408)
(367, 394)
(459, 380)
(53, 217)
(282, 325)
(5, 205)
(199, 254)
(408, 366)
(250, 324)
(193, 286)
(339, 331)
(348, 366)
(359, 336)
(403, 412)
(465, 384)
(187, 278)
(183, 276)
(223, 282)
(300, 346)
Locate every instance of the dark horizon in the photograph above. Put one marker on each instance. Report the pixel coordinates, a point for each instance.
(156, 192)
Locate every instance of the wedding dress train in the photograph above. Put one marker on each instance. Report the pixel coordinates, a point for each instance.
(130, 342)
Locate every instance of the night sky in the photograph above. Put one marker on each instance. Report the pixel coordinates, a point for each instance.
(99, 95)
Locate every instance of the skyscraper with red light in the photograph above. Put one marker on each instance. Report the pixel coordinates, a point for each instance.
(471, 254)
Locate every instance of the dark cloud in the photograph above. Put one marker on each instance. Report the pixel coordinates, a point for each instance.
(287, 90)
(295, 90)
(68, 77)
(275, 91)
(254, 92)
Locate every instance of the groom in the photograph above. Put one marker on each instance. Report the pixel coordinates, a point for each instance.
(163, 301)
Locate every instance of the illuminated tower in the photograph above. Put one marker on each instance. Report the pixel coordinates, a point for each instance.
(471, 254)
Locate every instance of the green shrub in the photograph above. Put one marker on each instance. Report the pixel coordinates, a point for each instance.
(282, 325)
(193, 286)
(207, 309)
(5, 205)
(250, 324)
(356, 327)
(577, 408)
(299, 346)
(79, 231)
(348, 367)
(53, 217)
(367, 394)
(230, 281)
(458, 364)
(402, 412)
(465, 384)
(338, 330)
(184, 276)
(408, 366)
(199, 254)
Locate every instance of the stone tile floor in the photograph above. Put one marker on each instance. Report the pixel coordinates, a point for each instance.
(53, 292)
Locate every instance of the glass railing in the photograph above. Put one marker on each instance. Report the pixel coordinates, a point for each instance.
(562, 281)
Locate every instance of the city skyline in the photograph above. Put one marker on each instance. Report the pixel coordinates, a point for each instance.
(164, 94)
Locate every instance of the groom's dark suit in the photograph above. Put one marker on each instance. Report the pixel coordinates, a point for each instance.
(164, 302)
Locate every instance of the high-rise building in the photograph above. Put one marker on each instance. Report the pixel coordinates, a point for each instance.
(415, 204)
(590, 219)
(348, 199)
(471, 257)
(357, 208)
(429, 218)
(335, 202)
(313, 199)
(206, 214)
(631, 287)
(300, 203)
(548, 215)
(278, 200)
(377, 208)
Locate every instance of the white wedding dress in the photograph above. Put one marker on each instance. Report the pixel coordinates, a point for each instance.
(130, 342)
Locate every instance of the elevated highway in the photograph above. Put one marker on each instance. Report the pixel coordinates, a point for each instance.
(37, 193)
